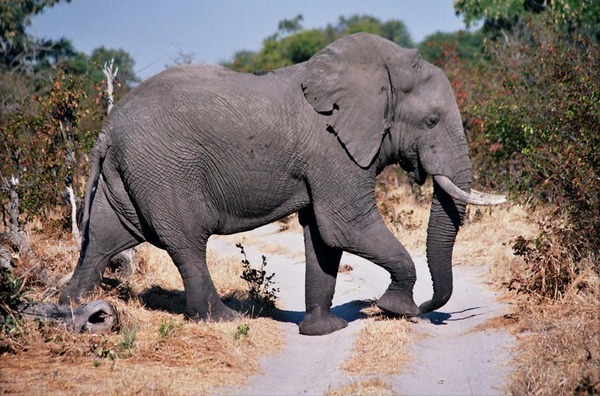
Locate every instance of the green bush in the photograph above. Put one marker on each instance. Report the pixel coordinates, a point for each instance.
(537, 130)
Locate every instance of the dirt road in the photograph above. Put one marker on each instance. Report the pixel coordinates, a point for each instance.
(453, 358)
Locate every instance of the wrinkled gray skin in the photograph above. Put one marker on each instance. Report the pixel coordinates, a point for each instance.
(200, 150)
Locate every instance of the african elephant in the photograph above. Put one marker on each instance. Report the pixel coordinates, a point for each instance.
(199, 150)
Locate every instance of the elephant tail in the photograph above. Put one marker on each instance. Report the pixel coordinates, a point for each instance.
(98, 154)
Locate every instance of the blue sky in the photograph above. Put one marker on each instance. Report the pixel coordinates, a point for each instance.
(155, 32)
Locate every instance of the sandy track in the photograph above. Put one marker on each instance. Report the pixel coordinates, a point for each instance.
(451, 359)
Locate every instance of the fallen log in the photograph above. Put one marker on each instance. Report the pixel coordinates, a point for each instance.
(94, 317)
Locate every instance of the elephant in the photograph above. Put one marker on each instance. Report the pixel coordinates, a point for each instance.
(199, 150)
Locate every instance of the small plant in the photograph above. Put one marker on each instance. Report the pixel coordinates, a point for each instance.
(128, 341)
(102, 350)
(260, 286)
(242, 331)
(10, 290)
(10, 297)
(549, 269)
(167, 328)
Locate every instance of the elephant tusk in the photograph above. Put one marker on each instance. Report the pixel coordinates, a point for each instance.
(474, 197)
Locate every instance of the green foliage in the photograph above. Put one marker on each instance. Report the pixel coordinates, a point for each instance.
(10, 293)
(102, 349)
(44, 140)
(438, 47)
(393, 30)
(288, 26)
(260, 286)
(11, 326)
(501, 17)
(16, 48)
(128, 340)
(543, 120)
(292, 45)
(301, 46)
(474, 11)
(242, 331)
(51, 107)
(167, 328)
(122, 59)
(532, 115)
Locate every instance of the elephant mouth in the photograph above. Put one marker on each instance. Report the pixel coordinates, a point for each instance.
(473, 197)
(415, 171)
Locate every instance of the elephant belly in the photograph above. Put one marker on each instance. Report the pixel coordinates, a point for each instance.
(256, 200)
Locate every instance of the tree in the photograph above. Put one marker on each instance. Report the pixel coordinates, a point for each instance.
(467, 46)
(290, 26)
(43, 142)
(301, 46)
(17, 49)
(502, 17)
(50, 101)
(120, 57)
(291, 45)
(392, 30)
(534, 123)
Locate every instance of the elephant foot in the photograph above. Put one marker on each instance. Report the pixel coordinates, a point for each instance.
(221, 313)
(73, 293)
(398, 302)
(321, 324)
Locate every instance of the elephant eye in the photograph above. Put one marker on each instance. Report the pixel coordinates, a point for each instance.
(432, 121)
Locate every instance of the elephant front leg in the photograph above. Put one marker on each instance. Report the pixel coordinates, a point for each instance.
(378, 245)
(322, 264)
(368, 237)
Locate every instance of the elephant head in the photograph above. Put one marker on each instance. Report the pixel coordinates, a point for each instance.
(387, 105)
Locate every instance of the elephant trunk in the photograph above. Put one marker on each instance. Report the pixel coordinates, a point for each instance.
(444, 222)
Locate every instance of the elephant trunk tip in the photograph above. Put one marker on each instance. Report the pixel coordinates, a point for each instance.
(435, 303)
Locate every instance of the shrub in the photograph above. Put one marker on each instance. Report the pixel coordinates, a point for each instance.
(260, 285)
(537, 131)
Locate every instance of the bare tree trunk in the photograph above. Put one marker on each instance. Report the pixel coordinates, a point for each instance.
(74, 227)
(111, 75)
(13, 206)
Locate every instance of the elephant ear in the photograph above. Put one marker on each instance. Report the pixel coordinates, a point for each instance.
(349, 82)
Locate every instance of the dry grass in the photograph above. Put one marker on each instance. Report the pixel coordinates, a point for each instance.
(487, 238)
(371, 356)
(156, 350)
(370, 387)
(558, 350)
(193, 358)
(558, 340)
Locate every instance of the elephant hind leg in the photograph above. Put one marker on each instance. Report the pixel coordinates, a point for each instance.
(322, 264)
(202, 300)
(105, 237)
